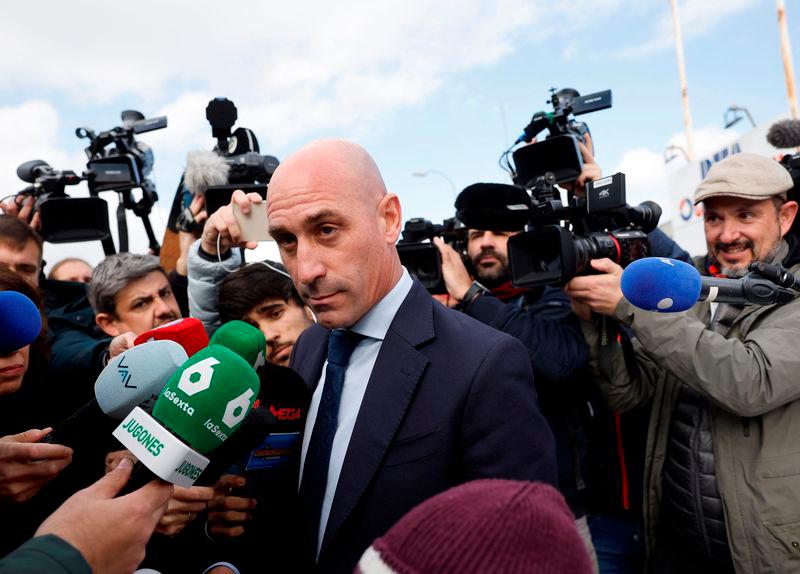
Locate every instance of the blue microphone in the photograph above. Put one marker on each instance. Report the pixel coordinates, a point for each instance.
(661, 285)
(20, 321)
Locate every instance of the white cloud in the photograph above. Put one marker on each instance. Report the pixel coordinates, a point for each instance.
(697, 17)
(646, 174)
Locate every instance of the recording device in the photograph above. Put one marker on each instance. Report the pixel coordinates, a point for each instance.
(783, 135)
(599, 225)
(421, 257)
(188, 332)
(670, 286)
(203, 403)
(118, 162)
(243, 339)
(559, 153)
(64, 219)
(20, 321)
(240, 165)
(254, 226)
(134, 377)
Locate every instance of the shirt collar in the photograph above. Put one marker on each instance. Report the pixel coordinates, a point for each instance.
(376, 322)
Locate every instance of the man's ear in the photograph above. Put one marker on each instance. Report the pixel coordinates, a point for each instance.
(391, 216)
(107, 323)
(787, 214)
(309, 314)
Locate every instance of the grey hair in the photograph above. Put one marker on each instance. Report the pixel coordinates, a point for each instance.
(113, 274)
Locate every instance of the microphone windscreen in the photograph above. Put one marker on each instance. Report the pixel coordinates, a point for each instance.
(20, 321)
(494, 207)
(660, 284)
(784, 134)
(188, 332)
(207, 398)
(204, 169)
(243, 339)
(136, 376)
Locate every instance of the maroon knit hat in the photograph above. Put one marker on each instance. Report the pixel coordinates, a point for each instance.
(488, 526)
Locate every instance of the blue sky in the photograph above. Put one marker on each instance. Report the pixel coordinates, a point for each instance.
(422, 85)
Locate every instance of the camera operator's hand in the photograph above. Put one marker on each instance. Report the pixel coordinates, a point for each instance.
(590, 171)
(184, 506)
(120, 344)
(222, 225)
(109, 532)
(185, 238)
(455, 275)
(21, 206)
(27, 465)
(600, 293)
(228, 514)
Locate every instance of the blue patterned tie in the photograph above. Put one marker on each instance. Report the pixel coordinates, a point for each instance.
(341, 344)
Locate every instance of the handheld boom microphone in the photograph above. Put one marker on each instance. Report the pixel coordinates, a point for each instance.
(671, 286)
(134, 377)
(243, 339)
(202, 404)
(188, 332)
(784, 134)
(20, 321)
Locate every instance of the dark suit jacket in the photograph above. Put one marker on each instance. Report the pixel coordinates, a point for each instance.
(449, 400)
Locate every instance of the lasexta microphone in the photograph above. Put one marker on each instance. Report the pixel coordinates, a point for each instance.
(200, 407)
(134, 377)
(243, 339)
(20, 321)
(189, 332)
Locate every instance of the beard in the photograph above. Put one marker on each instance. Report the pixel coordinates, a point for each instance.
(739, 271)
(494, 275)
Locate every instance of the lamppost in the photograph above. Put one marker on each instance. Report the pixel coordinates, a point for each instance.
(428, 172)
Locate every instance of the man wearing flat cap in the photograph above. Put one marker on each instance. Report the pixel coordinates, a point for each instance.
(722, 474)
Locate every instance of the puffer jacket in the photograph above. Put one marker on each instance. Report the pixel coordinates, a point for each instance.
(750, 375)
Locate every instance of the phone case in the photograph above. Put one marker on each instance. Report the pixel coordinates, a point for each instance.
(253, 226)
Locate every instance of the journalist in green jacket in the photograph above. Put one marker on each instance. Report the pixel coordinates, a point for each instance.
(722, 471)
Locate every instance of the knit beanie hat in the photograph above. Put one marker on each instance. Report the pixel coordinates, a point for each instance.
(487, 526)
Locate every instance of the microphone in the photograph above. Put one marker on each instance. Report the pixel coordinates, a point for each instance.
(671, 286)
(188, 332)
(201, 406)
(243, 339)
(204, 169)
(784, 134)
(134, 377)
(20, 321)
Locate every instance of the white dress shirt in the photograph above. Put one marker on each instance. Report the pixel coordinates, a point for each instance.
(373, 326)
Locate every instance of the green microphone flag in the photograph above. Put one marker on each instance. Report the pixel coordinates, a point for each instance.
(208, 397)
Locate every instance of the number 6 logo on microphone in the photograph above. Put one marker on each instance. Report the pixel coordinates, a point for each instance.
(197, 377)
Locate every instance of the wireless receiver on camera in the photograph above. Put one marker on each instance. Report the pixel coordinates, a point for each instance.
(202, 404)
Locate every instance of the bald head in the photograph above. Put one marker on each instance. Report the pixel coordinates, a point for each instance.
(336, 227)
(334, 160)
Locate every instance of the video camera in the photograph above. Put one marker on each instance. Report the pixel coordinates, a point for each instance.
(600, 225)
(240, 166)
(421, 257)
(559, 153)
(118, 162)
(64, 219)
(785, 134)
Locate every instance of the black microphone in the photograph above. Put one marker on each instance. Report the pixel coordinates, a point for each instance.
(784, 134)
(748, 289)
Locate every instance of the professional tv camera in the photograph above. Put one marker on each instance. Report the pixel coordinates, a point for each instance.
(238, 165)
(558, 153)
(64, 219)
(785, 134)
(599, 225)
(421, 257)
(118, 162)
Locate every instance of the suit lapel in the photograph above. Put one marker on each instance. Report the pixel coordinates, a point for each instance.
(391, 386)
(314, 350)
